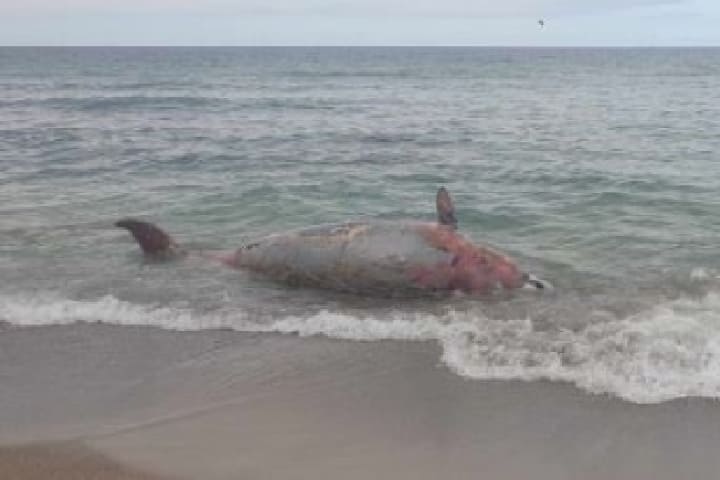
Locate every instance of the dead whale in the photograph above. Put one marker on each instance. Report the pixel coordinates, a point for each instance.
(380, 257)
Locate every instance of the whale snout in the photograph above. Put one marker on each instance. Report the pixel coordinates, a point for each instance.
(532, 282)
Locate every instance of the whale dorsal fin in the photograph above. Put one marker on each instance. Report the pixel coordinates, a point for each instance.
(151, 239)
(445, 209)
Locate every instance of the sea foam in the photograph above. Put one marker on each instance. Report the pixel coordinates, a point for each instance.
(668, 351)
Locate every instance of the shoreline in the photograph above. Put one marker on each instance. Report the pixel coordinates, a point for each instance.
(227, 405)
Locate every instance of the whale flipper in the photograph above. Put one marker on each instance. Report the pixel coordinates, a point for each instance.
(445, 209)
(152, 240)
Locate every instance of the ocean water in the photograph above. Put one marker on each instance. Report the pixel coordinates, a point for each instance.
(596, 169)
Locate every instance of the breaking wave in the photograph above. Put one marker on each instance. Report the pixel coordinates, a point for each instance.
(668, 351)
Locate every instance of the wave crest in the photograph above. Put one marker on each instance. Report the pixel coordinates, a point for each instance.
(669, 351)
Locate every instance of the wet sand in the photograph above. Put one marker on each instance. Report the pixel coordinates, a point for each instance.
(63, 461)
(225, 405)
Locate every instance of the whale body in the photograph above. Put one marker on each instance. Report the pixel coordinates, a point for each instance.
(378, 257)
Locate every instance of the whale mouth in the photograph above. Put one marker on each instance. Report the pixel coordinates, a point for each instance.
(534, 283)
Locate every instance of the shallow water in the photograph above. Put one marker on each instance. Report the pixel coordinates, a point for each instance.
(595, 169)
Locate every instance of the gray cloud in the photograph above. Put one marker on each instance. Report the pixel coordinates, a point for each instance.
(454, 8)
(337, 8)
(359, 22)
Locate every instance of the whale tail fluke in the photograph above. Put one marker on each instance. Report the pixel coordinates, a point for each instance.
(152, 240)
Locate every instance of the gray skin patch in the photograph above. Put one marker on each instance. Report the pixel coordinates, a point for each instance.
(373, 257)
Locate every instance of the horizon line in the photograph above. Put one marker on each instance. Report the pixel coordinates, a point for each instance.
(348, 46)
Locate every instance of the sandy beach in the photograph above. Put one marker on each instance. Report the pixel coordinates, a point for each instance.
(223, 405)
(63, 461)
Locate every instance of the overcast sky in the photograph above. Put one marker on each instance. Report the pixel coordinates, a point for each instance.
(359, 22)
